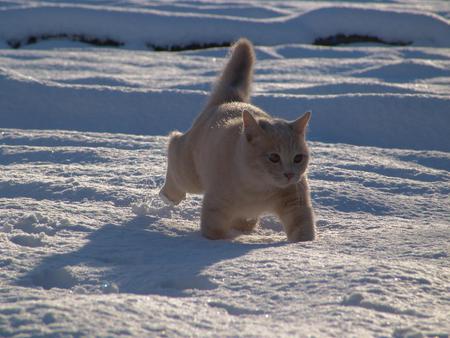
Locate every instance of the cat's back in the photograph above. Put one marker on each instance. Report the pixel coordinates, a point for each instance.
(221, 125)
(228, 117)
(214, 137)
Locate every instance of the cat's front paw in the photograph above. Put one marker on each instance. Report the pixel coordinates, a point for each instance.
(302, 234)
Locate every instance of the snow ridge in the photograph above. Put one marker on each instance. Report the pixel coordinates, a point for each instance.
(138, 28)
(394, 93)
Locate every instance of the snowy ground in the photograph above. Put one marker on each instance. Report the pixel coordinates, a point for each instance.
(87, 248)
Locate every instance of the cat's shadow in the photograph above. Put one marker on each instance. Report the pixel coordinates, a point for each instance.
(138, 257)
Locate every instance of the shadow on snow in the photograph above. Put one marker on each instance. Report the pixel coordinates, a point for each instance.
(138, 258)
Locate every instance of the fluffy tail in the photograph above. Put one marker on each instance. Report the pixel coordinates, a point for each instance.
(235, 81)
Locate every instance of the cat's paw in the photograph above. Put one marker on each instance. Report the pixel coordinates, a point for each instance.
(301, 235)
(165, 199)
(171, 199)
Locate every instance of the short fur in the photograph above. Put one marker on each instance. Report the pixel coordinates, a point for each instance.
(244, 161)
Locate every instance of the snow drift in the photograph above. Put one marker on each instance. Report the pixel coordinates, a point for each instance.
(141, 28)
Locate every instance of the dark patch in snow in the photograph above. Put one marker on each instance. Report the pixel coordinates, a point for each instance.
(344, 39)
(5, 262)
(54, 278)
(33, 39)
(99, 81)
(29, 240)
(49, 318)
(190, 46)
(434, 255)
(188, 283)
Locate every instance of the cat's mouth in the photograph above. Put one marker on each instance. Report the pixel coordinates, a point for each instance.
(286, 182)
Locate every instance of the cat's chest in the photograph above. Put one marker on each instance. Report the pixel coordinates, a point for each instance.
(254, 205)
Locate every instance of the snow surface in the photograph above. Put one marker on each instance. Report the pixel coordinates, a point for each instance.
(87, 248)
(154, 25)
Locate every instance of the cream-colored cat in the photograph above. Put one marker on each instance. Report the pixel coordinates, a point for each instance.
(244, 161)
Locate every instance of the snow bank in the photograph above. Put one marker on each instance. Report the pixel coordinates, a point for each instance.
(142, 28)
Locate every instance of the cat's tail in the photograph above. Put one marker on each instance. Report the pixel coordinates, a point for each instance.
(235, 81)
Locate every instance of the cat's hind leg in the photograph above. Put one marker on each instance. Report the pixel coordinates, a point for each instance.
(172, 191)
(215, 219)
(170, 194)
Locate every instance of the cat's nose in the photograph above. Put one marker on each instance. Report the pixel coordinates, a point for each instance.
(289, 175)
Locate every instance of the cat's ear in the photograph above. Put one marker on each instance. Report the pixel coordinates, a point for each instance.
(301, 123)
(250, 126)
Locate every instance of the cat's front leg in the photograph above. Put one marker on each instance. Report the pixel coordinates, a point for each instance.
(299, 224)
(215, 219)
(297, 217)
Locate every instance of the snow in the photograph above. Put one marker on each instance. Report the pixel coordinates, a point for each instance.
(88, 248)
(164, 27)
(128, 96)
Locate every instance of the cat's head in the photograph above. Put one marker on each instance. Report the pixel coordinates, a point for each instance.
(276, 150)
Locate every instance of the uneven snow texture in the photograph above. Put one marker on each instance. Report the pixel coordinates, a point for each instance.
(87, 248)
(363, 94)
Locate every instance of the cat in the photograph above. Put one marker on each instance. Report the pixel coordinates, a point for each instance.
(245, 162)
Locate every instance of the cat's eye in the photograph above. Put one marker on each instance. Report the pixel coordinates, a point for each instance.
(298, 158)
(275, 158)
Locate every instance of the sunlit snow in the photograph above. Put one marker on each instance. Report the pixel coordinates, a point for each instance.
(87, 248)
